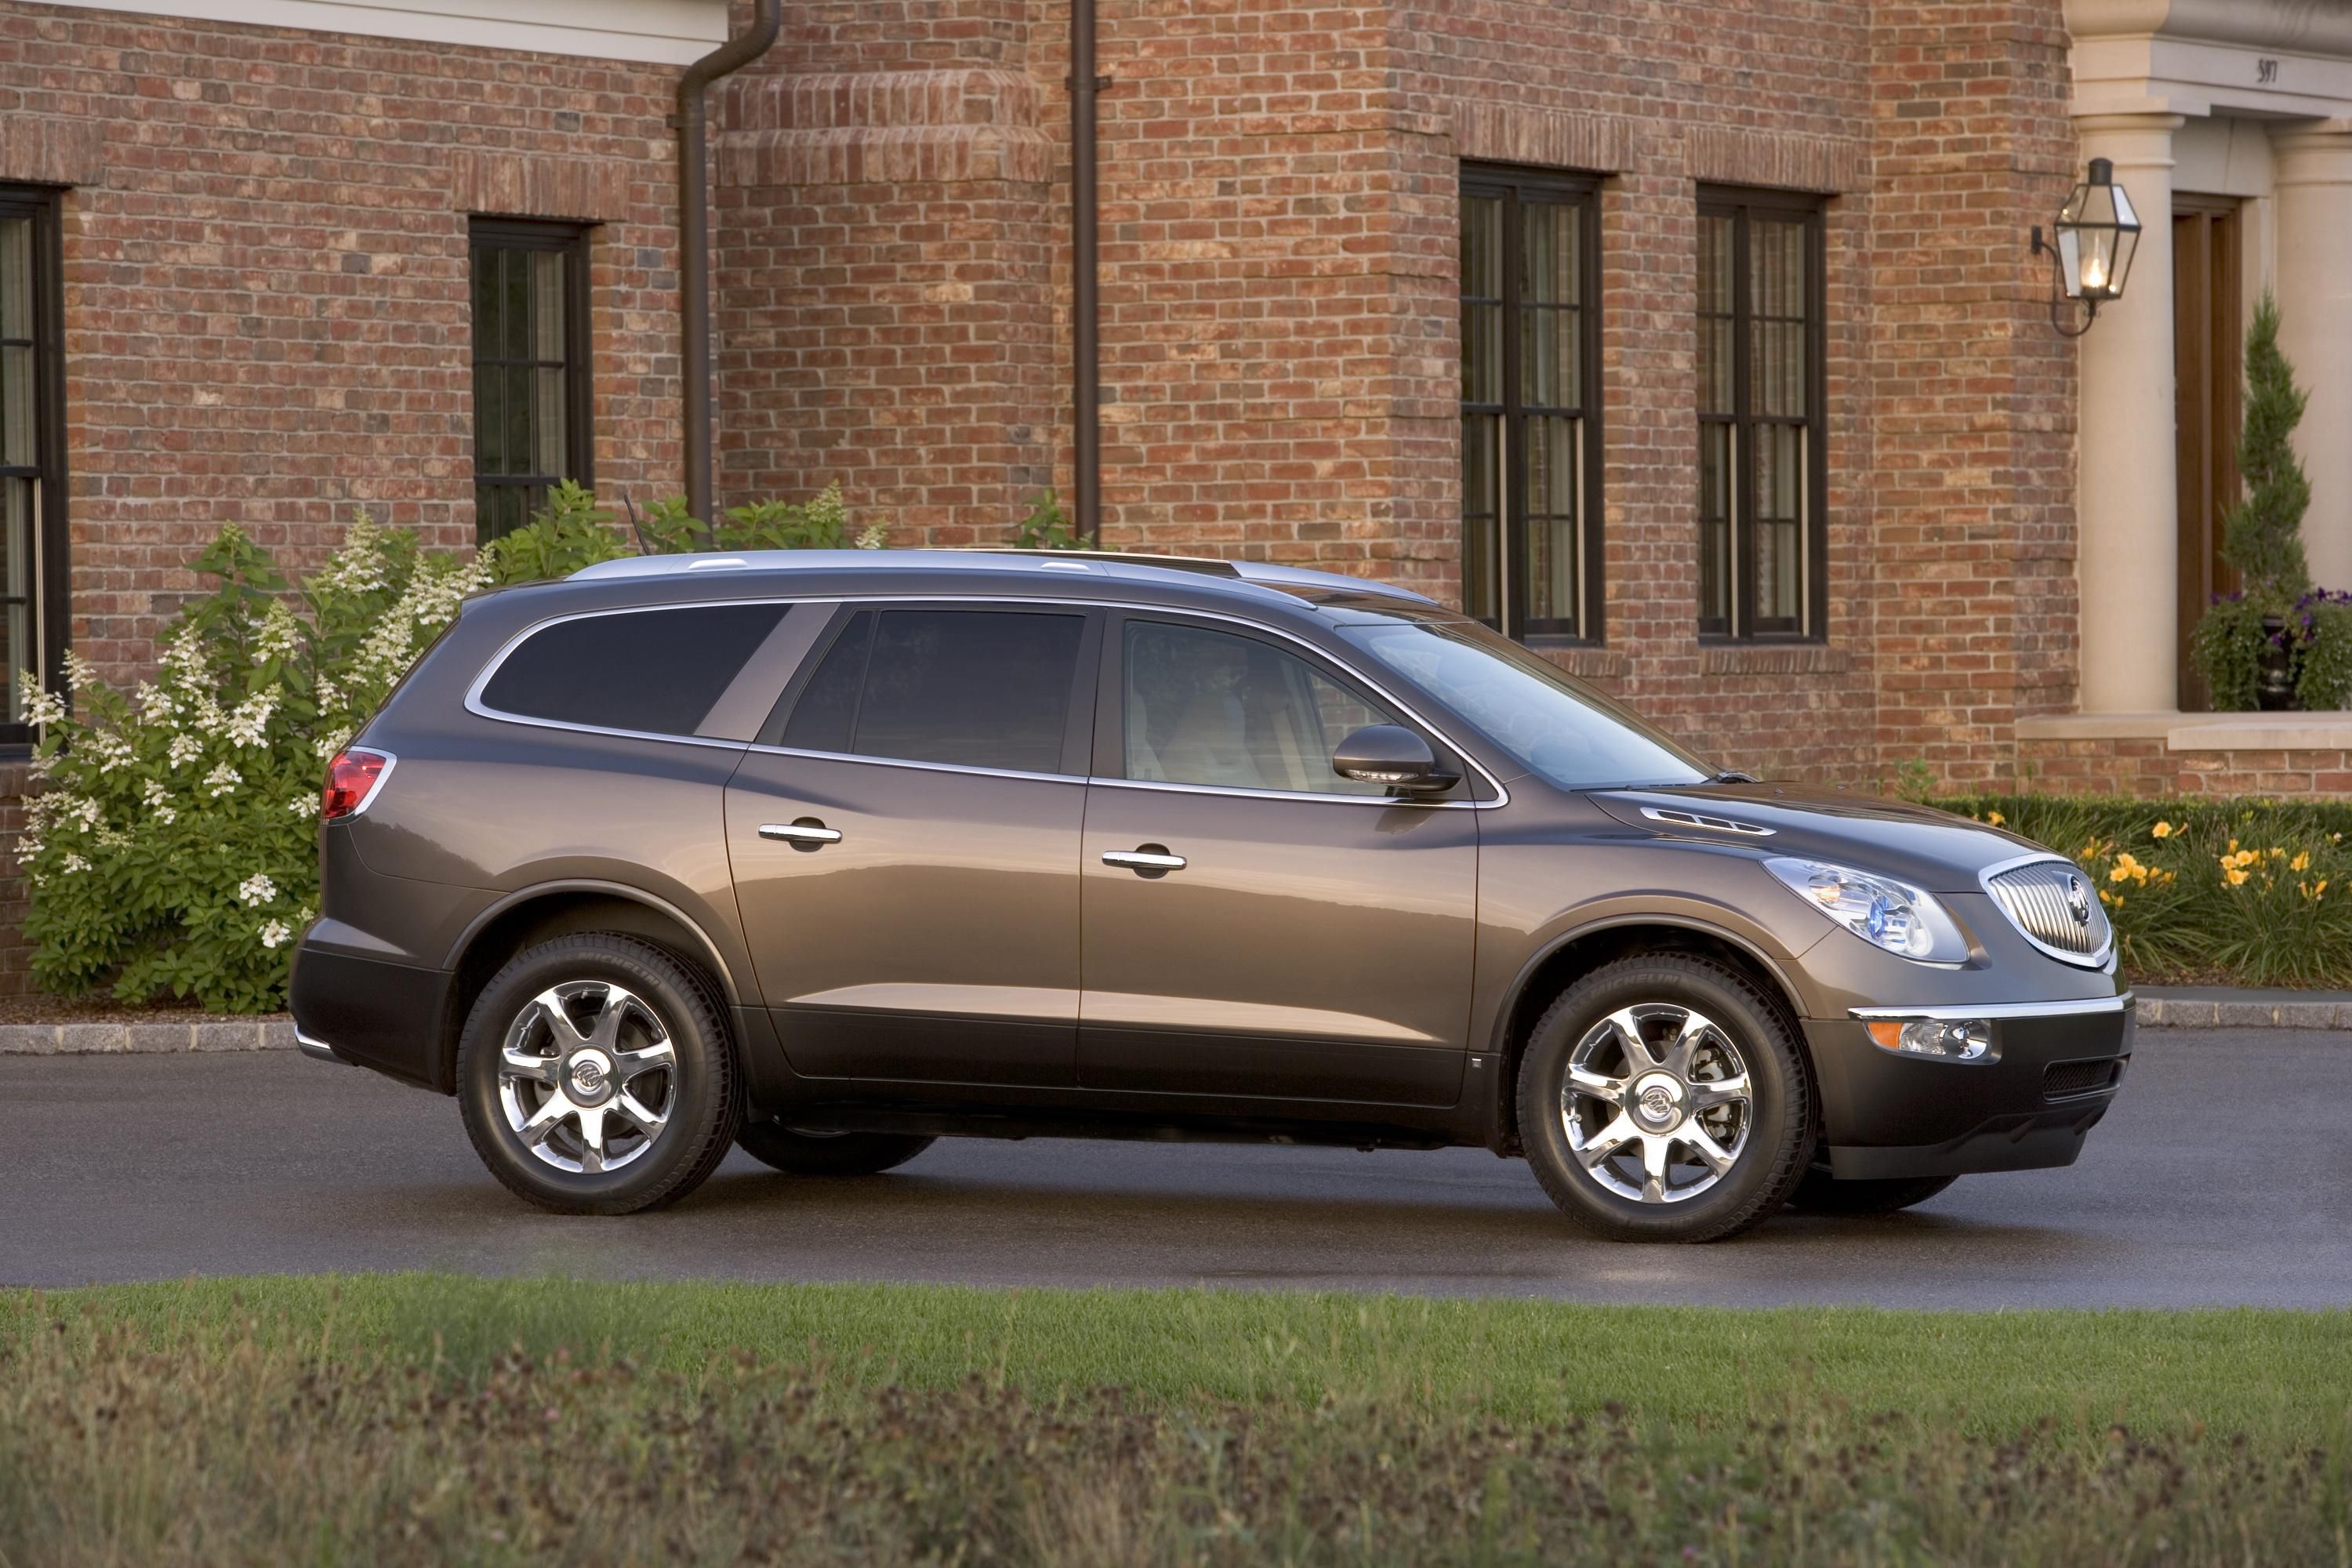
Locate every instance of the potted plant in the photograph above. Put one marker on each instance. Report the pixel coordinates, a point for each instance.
(2250, 644)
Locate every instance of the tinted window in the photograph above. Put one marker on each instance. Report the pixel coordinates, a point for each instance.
(1210, 708)
(1554, 724)
(653, 670)
(976, 689)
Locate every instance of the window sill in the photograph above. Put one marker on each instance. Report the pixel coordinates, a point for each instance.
(1773, 659)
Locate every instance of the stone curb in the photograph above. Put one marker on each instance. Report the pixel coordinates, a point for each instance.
(264, 1034)
(2181, 1013)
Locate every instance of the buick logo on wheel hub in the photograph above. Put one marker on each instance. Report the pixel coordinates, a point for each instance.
(2078, 900)
(589, 1075)
(1658, 1100)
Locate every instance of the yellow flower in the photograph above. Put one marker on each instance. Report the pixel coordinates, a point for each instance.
(2236, 877)
(1994, 817)
(2105, 897)
(2161, 830)
(2301, 862)
(2277, 852)
(2234, 844)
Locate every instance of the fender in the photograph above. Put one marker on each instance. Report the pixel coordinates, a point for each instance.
(626, 894)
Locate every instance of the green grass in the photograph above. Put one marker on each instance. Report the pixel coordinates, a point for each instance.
(2269, 1372)
(422, 1418)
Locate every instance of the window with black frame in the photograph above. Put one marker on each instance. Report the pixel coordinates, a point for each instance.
(1762, 468)
(32, 451)
(1530, 259)
(532, 421)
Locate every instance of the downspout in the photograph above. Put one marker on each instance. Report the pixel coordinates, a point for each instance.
(694, 235)
(1086, 412)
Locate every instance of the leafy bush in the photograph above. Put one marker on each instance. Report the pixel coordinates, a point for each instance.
(2244, 892)
(171, 848)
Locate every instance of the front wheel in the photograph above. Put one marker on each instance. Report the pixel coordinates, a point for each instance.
(1664, 1098)
(1820, 1192)
(595, 1076)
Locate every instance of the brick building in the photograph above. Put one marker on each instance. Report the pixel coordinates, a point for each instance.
(1697, 342)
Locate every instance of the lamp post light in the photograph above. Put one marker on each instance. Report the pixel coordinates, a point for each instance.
(2091, 250)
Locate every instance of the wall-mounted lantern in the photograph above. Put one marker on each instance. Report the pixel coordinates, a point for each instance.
(2094, 236)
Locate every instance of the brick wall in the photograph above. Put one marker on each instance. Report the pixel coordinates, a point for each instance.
(266, 278)
(2146, 766)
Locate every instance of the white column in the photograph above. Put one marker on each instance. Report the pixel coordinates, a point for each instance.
(2314, 182)
(2125, 499)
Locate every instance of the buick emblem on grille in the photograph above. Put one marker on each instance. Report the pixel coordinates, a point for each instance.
(2078, 900)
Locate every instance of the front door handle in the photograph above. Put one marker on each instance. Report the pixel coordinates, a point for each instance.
(807, 831)
(1149, 860)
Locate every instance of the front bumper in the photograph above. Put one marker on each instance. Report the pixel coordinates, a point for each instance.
(1887, 1115)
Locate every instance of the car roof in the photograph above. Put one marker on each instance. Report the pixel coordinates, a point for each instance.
(1236, 577)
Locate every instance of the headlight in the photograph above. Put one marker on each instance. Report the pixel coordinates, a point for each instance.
(1894, 915)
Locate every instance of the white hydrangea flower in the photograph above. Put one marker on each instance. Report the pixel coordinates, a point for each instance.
(79, 809)
(274, 934)
(74, 863)
(109, 749)
(183, 660)
(40, 707)
(331, 742)
(113, 838)
(303, 806)
(330, 694)
(28, 848)
(873, 536)
(257, 889)
(223, 780)
(248, 723)
(359, 567)
(159, 802)
(81, 674)
(155, 704)
(186, 748)
(40, 766)
(281, 632)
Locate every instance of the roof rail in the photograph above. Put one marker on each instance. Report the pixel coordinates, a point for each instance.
(1215, 566)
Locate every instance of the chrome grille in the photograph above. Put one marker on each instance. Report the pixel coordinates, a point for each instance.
(2040, 898)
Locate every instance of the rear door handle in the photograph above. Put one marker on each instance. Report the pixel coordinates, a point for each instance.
(803, 832)
(1152, 859)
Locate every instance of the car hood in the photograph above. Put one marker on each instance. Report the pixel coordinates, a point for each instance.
(1917, 844)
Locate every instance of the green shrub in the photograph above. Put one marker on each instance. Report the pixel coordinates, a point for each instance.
(171, 849)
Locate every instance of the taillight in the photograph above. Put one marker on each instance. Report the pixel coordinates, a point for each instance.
(352, 779)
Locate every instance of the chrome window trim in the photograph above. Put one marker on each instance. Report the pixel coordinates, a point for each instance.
(2098, 960)
(474, 705)
(2090, 1007)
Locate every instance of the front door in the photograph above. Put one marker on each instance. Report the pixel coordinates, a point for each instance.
(906, 856)
(1255, 926)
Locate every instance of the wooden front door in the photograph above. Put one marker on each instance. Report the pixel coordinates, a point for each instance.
(2207, 307)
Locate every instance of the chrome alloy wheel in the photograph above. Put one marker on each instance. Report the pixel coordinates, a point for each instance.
(587, 1075)
(1656, 1103)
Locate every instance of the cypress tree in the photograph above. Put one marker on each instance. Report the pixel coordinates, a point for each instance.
(2263, 534)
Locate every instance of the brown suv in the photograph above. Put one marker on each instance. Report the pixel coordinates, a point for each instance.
(830, 854)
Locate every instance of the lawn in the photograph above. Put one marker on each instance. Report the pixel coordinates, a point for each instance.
(424, 1419)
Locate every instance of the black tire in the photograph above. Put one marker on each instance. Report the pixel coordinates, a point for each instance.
(1820, 1192)
(1778, 1139)
(701, 1093)
(827, 1153)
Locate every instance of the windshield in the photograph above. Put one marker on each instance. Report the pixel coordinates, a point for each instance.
(1554, 724)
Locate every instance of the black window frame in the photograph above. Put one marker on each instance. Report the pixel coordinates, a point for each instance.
(571, 241)
(1515, 187)
(1744, 623)
(50, 600)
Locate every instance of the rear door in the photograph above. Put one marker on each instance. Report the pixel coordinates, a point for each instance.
(1256, 925)
(904, 845)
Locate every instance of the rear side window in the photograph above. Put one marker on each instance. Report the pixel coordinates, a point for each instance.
(657, 671)
(976, 689)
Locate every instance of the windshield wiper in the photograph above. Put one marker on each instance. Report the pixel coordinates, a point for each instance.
(1733, 775)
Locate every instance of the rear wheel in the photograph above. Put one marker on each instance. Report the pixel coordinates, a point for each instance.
(1665, 1099)
(827, 1153)
(595, 1076)
(1821, 1193)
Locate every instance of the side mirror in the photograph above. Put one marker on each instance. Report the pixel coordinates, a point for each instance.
(1394, 756)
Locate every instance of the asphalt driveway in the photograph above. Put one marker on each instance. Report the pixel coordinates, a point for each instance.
(2223, 1176)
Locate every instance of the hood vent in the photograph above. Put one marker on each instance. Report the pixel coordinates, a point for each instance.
(2054, 904)
(1713, 824)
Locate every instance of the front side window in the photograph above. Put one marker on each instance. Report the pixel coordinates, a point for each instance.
(975, 689)
(1762, 471)
(657, 673)
(1531, 404)
(32, 451)
(1550, 723)
(1210, 708)
(531, 419)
